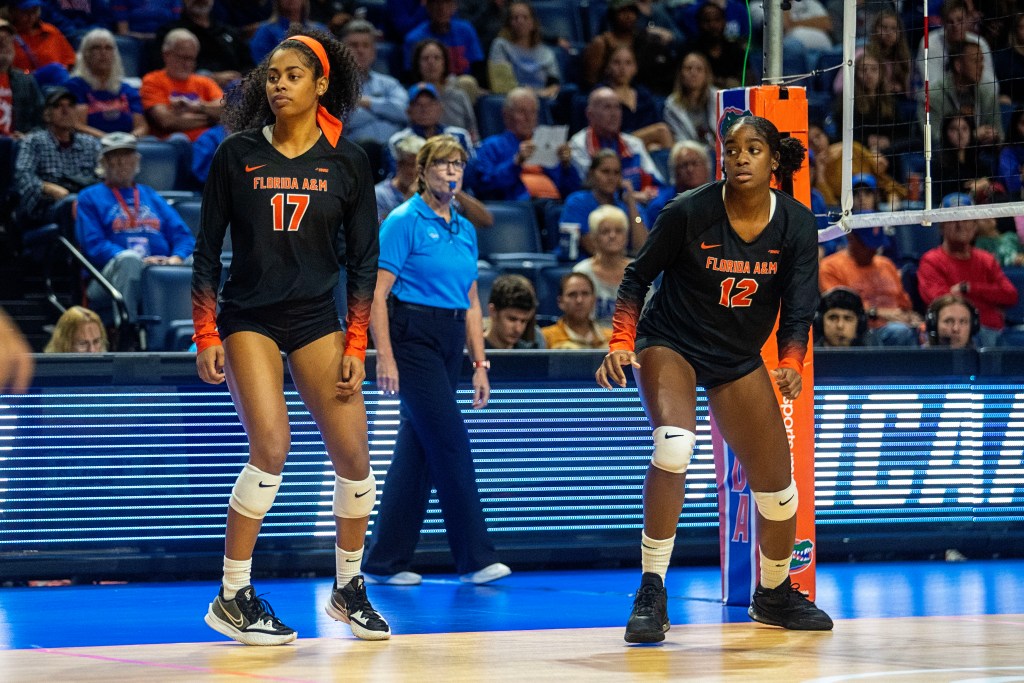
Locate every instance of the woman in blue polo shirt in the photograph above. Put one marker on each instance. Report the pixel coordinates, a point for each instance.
(425, 311)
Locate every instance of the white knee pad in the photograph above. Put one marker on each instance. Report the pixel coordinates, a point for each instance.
(778, 506)
(354, 499)
(254, 492)
(673, 448)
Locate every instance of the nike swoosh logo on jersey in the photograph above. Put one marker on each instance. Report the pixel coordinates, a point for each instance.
(360, 495)
(705, 245)
(250, 169)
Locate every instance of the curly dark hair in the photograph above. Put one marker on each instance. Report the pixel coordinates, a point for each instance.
(790, 150)
(246, 104)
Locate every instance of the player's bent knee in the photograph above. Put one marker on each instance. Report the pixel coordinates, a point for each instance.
(778, 506)
(673, 448)
(254, 492)
(354, 499)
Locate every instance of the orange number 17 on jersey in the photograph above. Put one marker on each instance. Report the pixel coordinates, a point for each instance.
(299, 201)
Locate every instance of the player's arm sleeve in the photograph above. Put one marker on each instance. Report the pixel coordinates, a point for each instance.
(206, 265)
(362, 250)
(661, 248)
(799, 294)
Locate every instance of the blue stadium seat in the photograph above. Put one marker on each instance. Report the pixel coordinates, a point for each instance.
(131, 55)
(594, 14)
(488, 115)
(548, 282)
(389, 59)
(166, 307)
(159, 165)
(484, 279)
(908, 276)
(559, 19)
(912, 241)
(190, 211)
(1015, 314)
(514, 235)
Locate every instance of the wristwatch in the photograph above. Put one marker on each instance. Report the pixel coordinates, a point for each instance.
(485, 364)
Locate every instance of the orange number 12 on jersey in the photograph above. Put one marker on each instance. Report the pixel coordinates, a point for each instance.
(745, 289)
(299, 201)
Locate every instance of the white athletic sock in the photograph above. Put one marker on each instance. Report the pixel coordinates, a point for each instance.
(347, 564)
(773, 572)
(237, 575)
(655, 555)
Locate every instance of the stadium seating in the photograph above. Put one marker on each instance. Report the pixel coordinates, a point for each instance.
(190, 212)
(514, 235)
(912, 241)
(159, 165)
(131, 55)
(166, 307)
(559, 19)
(547, 285)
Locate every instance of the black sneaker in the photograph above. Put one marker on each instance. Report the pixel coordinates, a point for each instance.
(649, 619)
(248, 619)
(350, 604)
(787, 607)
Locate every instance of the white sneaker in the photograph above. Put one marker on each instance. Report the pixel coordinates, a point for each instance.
(399, 579)
(491, 572)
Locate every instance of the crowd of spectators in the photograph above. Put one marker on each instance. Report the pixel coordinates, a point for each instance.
(635, 104)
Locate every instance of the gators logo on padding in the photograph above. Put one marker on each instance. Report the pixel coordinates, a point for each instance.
(802, 553)
(728, 117)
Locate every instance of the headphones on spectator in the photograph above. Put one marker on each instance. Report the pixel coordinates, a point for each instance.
(931, 318)
(846, 299)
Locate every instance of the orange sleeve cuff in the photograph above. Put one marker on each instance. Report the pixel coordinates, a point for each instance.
(792, 364)
(205, 341)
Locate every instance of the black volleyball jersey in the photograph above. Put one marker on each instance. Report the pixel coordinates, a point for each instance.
(720, 295)
(294, 222)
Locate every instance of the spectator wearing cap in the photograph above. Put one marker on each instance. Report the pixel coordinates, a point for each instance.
(223, 52)
(123, 226)
(54, 163)
(424, 113)
(956, 267)
(503, 170)
(862, 268)
(841, 320)
(175, 98)
(37, 43)
(21, 102)
(380, 110)
(106, 102)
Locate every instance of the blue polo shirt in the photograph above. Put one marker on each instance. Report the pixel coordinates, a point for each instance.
(434, 261)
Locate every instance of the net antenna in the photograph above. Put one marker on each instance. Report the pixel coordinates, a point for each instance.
(924, 214)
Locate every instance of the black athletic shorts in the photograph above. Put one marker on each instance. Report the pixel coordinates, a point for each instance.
(711, 372)
(291, 326)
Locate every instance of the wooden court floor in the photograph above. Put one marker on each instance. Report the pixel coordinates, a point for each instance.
(925, 649)
(928, 622)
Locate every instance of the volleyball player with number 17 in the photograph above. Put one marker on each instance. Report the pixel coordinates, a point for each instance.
(300, 204)
(735, 254)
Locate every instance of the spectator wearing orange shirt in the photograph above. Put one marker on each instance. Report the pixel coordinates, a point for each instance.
(37, 43)
(176, 99)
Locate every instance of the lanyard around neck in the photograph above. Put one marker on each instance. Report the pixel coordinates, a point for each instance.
(133, 215)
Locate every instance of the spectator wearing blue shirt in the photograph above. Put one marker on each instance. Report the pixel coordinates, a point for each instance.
(106, 102)
(502, 169)
(75, 17)
(123, 226)
(143, 18)
(606, 186)
(203, 149)
(425, 312)
(465, 55)
(269, 35)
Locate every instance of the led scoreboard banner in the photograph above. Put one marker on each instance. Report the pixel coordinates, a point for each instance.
(125, 457)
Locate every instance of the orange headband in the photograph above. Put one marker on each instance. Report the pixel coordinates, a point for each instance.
(329, 124)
